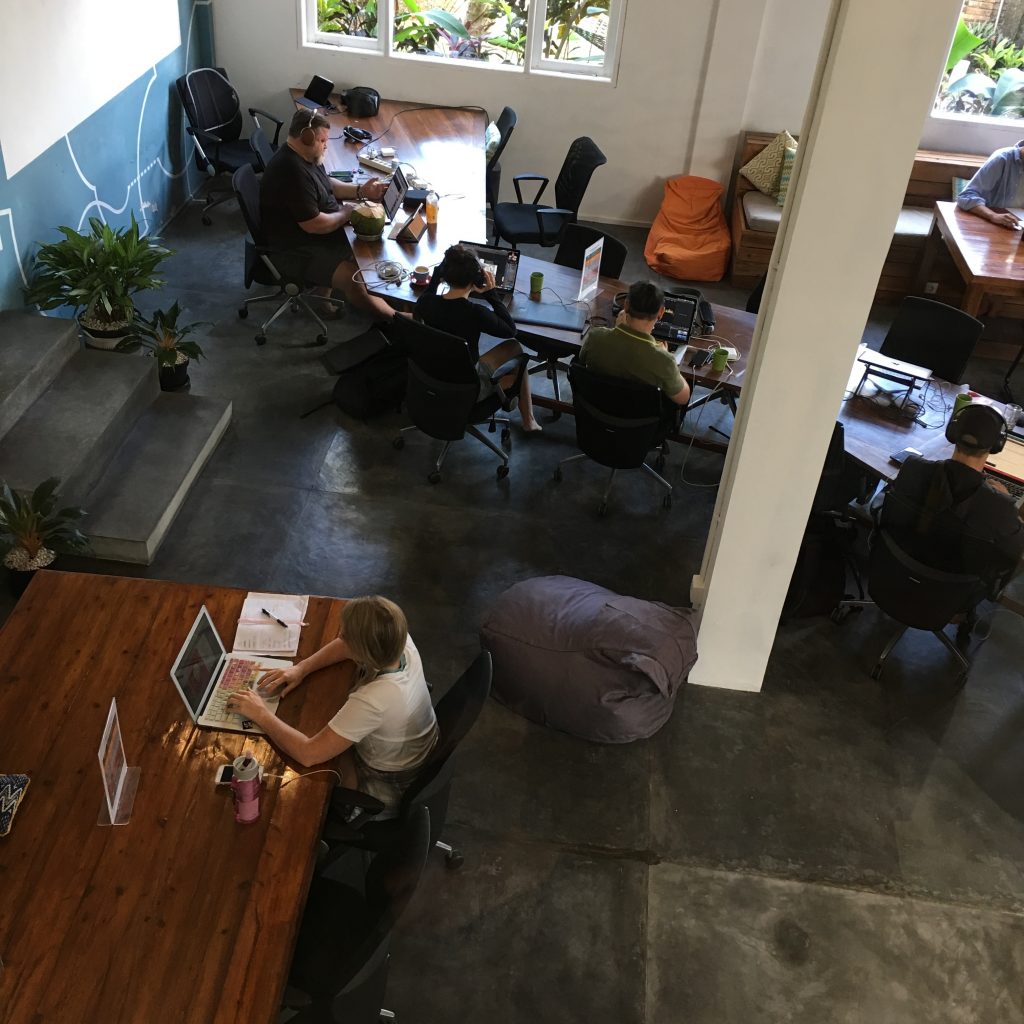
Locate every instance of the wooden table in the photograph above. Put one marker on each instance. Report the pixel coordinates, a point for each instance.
(181, 915)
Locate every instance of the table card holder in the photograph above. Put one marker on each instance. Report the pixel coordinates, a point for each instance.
(590, 278)
(119, 781)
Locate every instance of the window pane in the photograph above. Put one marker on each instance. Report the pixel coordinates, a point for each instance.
(484, 30)
(985, 71)
(576, 30)
(348, 17)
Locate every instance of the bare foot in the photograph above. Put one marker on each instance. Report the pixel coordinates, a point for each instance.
(532, 427)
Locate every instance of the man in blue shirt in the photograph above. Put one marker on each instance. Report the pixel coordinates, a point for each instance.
(997, 184)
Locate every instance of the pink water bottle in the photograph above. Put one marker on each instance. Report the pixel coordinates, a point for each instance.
(245, 784)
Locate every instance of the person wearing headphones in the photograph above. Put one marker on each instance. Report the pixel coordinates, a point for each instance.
(453, 312)
(996, 185)
(952, 516)
(629, 350)
(304, 212)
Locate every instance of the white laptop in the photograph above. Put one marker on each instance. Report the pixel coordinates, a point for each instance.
(206, 675)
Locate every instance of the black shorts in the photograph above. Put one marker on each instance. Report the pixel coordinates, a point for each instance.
(314, 264)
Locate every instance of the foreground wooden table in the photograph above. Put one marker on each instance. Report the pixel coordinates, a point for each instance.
(181, 915)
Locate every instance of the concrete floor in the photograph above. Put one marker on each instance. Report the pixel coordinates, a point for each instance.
(781, 857)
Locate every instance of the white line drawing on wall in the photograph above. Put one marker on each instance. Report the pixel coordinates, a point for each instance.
(9, 214)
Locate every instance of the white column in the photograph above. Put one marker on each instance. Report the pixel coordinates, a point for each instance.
(876, 79)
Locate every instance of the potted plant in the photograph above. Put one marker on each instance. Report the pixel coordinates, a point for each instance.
(36, 530)
(97, 273)
(165, 338)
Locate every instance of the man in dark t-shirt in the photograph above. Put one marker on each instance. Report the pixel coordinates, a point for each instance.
(952, 516)
(304, 212)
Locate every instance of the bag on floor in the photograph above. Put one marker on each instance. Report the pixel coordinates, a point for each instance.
(819, 577)
(374, 383)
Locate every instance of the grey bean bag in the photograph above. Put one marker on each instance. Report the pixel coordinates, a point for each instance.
(574, 656)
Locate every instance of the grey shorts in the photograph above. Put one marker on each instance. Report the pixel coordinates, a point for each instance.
(314, 264)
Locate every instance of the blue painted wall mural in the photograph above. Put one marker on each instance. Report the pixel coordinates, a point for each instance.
(131, 156)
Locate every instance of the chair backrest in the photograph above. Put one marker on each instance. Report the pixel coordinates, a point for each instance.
(247, 189)
(617, 421)
(932, 334)
(506, 125)
(211, 103)
(576, 239)
(580, 163)
(913, 593)
(391, 880)
(442, 385)
(456, 712)
(261, 147)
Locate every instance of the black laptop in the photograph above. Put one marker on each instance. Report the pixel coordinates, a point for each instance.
(317, 94)
(677, 323)
(501, 262)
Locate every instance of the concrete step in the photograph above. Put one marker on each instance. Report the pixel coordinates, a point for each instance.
(134, 502)
(73, 429)
(33, 350)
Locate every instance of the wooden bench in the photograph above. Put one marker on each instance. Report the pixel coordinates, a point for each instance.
(930, 180)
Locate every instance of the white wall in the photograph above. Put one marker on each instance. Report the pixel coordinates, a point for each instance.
(642, 122)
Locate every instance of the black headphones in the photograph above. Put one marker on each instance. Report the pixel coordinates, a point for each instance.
(955, 428)
(308, 130)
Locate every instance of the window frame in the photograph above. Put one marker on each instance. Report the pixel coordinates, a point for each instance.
(533, 60)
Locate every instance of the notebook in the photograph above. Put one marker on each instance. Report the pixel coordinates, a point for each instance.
(548, 314)
(205, 675)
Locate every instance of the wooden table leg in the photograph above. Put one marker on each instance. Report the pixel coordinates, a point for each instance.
(931, 248)
(973, 298)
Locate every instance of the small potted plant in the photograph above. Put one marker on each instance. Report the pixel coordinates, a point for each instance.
(97, 273)
(36, 529)
(165, 338)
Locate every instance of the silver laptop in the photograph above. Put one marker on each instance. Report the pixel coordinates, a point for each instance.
(394, 197)
(206, 675)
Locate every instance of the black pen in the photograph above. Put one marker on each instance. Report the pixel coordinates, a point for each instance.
(280, 622)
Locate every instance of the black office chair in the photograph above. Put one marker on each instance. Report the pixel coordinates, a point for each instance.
(457, 711)
(932, 334)
(214, 116)
(577, 238)
(506, 125)
(259, 261)
(261, 146)
(617, 423)
(916, 596)
(443, 387)
(340, 968)
(521, 222)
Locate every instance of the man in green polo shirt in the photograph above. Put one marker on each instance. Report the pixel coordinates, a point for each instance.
(630, 351)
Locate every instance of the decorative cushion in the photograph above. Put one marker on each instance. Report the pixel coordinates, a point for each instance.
(492, 136)
(762, 212)
(12, 789)
(958, 185)
(576, 657)
(763, 169)
(785, 174)
(914, 222)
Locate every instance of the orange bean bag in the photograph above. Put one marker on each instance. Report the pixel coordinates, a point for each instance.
(689, 238)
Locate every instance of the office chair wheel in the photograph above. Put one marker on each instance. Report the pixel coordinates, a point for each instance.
(261, 339)
(659, 463)
(557, 475)
(666, 502)
(398, 444)
(840, 613)
(491, 427)
(502, 471)
(506, 438)
(434, 477)
(321, 339)
(602, 510)
(206, 221)
(454, 860)
(243, 312)
(876, 672)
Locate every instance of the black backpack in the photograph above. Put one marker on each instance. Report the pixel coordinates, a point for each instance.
(374, 381)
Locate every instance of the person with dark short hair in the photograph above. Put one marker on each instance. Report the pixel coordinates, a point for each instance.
(304, 213)
(630, 351)
(454, 313)
(952, 516)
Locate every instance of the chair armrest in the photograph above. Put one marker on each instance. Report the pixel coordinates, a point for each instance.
(199, 136)
(530, 177)
(549, 237)
(202, 133)
(255, 113)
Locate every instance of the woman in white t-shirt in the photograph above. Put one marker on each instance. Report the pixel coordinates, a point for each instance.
(387, 721)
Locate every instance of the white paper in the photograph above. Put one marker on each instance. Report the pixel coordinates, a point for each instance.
(260, 633)
(591, 275)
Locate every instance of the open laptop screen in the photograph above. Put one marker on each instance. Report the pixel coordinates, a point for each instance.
(197, 663)
(394, 197)
(501, 262)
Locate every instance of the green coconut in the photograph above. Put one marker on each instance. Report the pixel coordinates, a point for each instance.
(368, 220)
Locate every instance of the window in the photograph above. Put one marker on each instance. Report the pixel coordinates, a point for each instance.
(984, 74)
(577, 37)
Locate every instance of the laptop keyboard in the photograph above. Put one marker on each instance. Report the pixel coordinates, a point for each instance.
(239, 675)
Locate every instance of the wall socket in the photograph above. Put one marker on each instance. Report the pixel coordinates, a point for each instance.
(931, 287)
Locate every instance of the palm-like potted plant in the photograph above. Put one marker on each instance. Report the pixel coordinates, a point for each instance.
(36, 529)
(97, 273)
(165, 338)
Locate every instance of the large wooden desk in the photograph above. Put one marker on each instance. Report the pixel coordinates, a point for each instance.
(181, 915)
